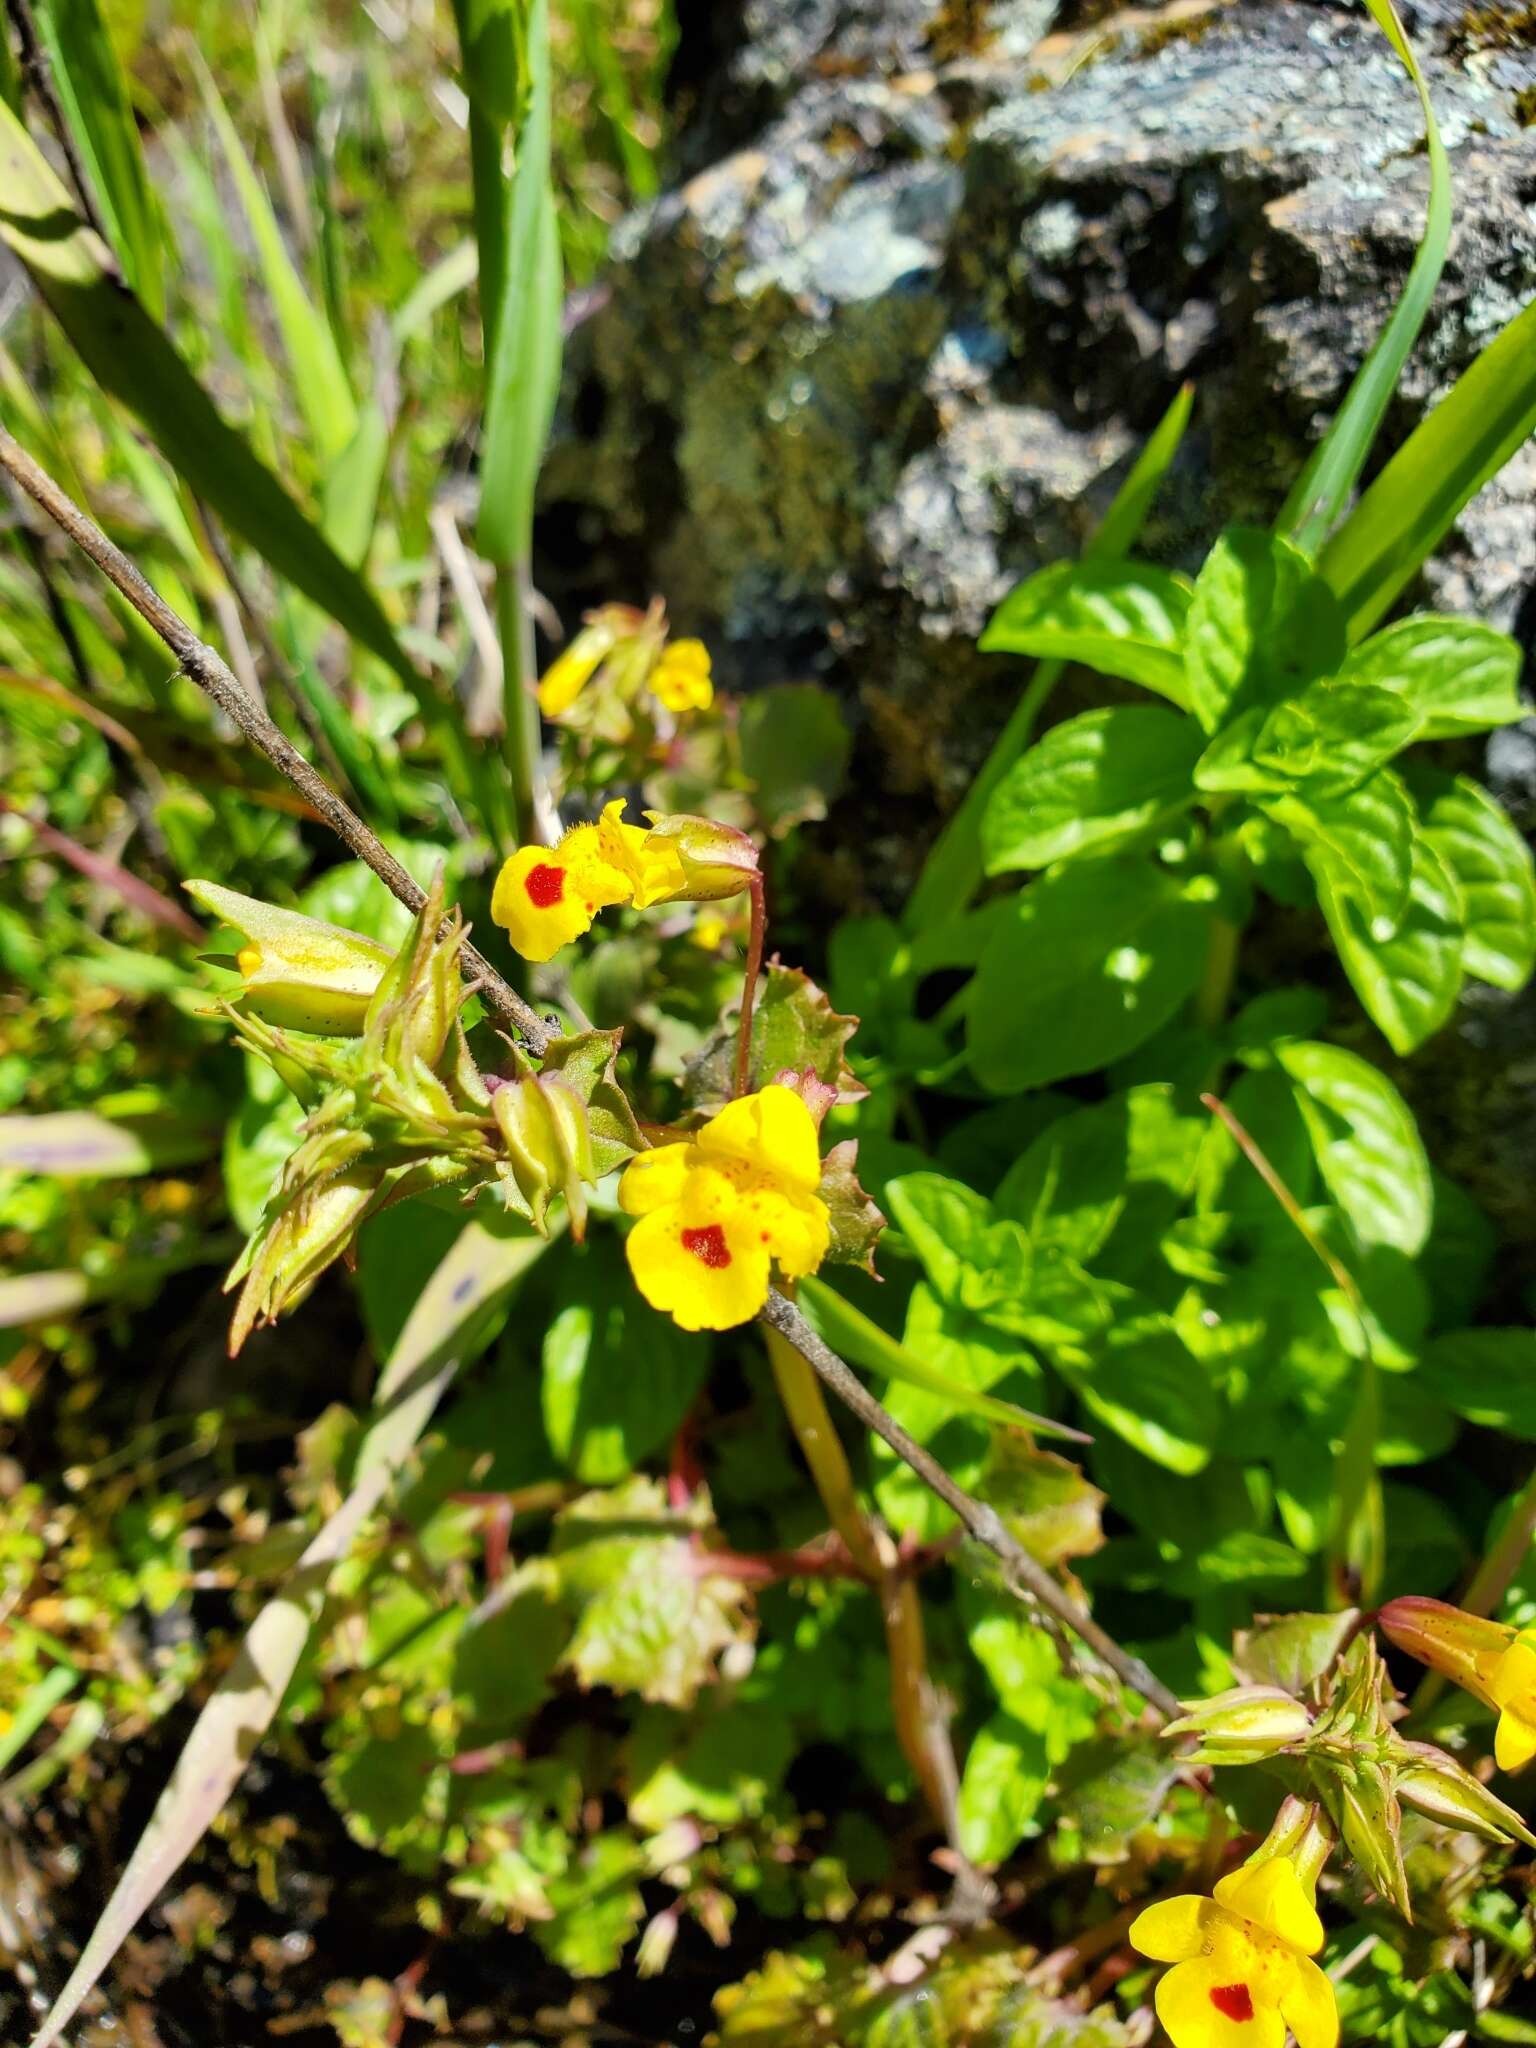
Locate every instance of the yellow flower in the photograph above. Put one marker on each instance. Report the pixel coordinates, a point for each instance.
(570, 672)
(1243, 1971)
(681, 679)
(652, 867)
(709, 933)
(1489, 1659)
(718, 1210)
(545, 896)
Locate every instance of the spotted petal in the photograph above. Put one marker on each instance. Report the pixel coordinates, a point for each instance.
(771, 1130)
(1202, 2006)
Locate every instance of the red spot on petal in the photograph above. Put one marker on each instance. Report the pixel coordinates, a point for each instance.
(545, 885)
(1233, 2001)
(708, 1246)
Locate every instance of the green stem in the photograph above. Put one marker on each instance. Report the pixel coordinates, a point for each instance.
(1215, 990)
(515, 625)
(953, 868)
(919, 1729)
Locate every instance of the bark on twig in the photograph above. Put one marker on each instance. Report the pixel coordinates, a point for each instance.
(1026, 1578)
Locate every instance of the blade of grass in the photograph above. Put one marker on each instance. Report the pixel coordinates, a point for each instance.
(1322, 489)
(523, 373)
(93, 92)
(952, 872)
(137, 364)
(55, 1685)
(839, 1323)
(450, 275)
(451, 1323)
(319, 377)
(1486, 417)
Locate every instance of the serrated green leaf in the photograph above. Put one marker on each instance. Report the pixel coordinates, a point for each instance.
(1458, 675)
(1145, 1384)
(1121, 618)
(1409, 978)
(1366, 1143)
(1262, 625)
(1357, 846)
(1494, 872)
(1090, 785)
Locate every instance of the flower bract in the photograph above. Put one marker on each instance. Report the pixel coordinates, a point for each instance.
(718, 1210)
(1242, 1971)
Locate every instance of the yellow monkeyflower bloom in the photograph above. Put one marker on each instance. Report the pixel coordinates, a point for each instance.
(681, 678)
(652, 866)
(1511, 1682)
(720, 1209)
(545, 896)
(1493, 1661)
(571, 670)
(1243, 1970)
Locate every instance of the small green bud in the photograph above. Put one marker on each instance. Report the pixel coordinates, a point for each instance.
(543, 1125)
(288, 1253)
(1244, 1725)
(1363, 1805)
(299, 973)
(1434, 1784)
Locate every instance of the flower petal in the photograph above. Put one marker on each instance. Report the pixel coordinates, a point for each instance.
(1514, 1741)
(653, 1179)
(705, 1276)
(1271, 1894)
(1514, 1676)
(652, 868)
(796, 1229)
(771, 1130)
(1201, 2006)
(1170, 1931)
(1310, 2009)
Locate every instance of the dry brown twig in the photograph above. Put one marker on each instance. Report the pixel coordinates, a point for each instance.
(1025, 1578)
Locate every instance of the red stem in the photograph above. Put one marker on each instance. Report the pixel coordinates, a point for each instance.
(749, 986)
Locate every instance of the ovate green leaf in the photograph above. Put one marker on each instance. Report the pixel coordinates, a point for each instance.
(1488, 1376)
(1093, 959)
(1006, 1773)
(1089, 785)
(1409, 978)
(1262, 624)
(1458, 676)
(1121, 618)
(1366, 1143)
(1492, 864)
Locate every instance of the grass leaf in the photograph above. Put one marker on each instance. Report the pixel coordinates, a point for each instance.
(1321, 490)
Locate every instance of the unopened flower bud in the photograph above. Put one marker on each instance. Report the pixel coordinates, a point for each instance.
(299, 973)
(287, 1255)
(716, 859)
(1363, 1806)
(1463, 1647)
(1434, 1784)
(570, 672)
(544, 1127)
(1243, 1725)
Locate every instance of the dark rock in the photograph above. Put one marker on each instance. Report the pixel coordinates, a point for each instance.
(894, 341)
